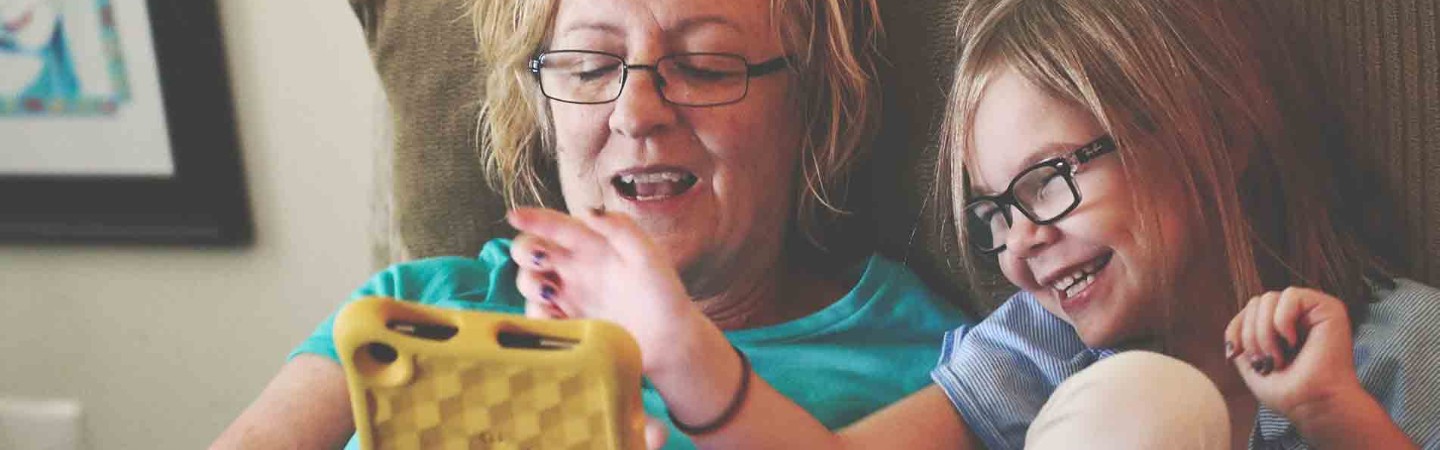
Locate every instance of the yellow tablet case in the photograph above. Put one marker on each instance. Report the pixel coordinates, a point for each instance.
(422, 377)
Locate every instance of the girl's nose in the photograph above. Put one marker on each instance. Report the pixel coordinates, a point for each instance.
(1025, 238)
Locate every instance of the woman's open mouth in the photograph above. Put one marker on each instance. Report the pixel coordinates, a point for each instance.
(653, 183)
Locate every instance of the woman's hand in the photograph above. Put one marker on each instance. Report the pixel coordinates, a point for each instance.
(601, 266)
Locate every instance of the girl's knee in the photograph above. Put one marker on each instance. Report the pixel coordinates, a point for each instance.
(1134, 400)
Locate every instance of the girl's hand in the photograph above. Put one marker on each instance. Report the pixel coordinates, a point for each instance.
(600, 265)
(1295, 352)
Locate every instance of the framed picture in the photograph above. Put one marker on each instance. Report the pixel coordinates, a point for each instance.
(116, 124)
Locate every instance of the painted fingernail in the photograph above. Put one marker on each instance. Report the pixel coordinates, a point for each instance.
(598, 211)
(537, 257)
(1286, 349)
(1230, 350)
(547, 292)
(1263, 365)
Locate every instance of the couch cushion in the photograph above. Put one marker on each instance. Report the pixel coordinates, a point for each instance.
(424, 52)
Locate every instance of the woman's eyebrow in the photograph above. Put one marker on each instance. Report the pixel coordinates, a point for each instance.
(607, 28)
(690, 23)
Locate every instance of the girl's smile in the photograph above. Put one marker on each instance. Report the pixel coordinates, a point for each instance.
(1089, 266)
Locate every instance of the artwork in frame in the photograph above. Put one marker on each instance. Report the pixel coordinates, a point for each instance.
(116, 124)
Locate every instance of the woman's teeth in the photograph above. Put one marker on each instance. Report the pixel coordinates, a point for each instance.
(654, 185)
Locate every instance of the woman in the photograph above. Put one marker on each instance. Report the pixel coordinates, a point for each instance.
(725, 129)
(1127, 168)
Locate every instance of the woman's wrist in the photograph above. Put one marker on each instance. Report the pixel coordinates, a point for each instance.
(697, 372)
(685, 350)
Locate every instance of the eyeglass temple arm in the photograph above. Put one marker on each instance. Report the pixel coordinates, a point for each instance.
(1100, 147)
(767, 67)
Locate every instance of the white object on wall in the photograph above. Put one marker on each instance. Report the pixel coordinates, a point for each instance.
(40, 424)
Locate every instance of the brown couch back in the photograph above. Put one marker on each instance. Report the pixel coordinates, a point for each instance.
(1374, 63)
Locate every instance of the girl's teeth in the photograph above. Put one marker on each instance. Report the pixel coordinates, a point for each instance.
(1080, 285)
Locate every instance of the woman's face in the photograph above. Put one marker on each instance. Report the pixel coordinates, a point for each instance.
(1018, 125)
(710, 184)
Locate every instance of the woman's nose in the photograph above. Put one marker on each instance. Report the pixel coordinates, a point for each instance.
(1025, 238)
(641, 111)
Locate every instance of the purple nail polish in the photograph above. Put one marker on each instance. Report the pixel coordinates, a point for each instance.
(537, 257)
(1264, 365)
(1287, 349)
(547, 292)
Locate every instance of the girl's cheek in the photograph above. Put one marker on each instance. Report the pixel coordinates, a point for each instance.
(1017, 273)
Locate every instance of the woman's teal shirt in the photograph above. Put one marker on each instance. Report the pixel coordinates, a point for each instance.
(870, 348)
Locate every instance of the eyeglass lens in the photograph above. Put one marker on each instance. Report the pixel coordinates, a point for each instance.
(1043, 194)
(688, 79)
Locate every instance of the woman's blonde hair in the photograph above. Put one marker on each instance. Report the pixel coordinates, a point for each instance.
(1179, 86)
(831, 45)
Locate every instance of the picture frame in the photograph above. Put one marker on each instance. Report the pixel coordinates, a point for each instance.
(112, 141)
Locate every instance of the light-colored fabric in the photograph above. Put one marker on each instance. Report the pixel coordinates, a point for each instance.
(386, 244)
(870, 348)
(1134, 400)
(1000, 372)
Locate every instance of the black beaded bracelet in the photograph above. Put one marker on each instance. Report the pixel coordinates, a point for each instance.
(730, 411)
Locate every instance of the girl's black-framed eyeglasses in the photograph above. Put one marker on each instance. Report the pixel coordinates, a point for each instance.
(1045, 193)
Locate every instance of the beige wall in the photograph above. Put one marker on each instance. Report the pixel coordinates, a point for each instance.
(164, 346)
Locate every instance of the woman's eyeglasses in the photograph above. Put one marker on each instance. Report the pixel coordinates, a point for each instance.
(687, 79)
(1044, 193)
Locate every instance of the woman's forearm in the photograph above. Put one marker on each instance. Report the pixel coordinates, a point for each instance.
(305, 406)
(700, 377)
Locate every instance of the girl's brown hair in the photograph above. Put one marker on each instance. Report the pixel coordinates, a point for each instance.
(1179, 85)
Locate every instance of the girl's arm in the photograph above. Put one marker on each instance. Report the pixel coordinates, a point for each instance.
(602, 266)
(1351, 420)
(1295, 352)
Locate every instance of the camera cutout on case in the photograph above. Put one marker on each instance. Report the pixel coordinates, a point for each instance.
(434, 332)
(529, 341)
(382, 353)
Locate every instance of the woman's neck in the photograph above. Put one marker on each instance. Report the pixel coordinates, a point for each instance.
(769, 295)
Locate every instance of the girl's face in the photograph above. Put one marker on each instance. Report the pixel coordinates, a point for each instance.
(1088, 268)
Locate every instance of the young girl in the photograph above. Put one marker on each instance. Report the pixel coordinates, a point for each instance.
(1126, 166)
